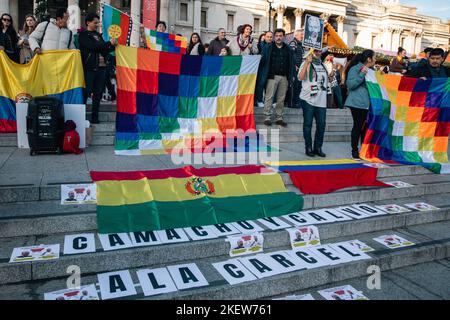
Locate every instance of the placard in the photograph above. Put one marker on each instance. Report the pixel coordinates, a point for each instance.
(393, 241)
(313, 32)
(88, 292)
(79, 243)
(156, 281)
(393, 208)
(115, 241)
(317, 217)
(421, 206)
(346, 292)
(78, 194)
(234, 271)
(116, 284)
(245, 244)
(302, 237)
(172, 235)
(261, 266)
(187, 276)
(286, 262)
(349, 251)
(399, 184)
(309, 258)
(353, 212)
(298, 219)
(360, 245)
(224, 229)
(329, 254)
(247, 227)
(144, 238)
(274, 223)
(334, 215)
(201, 233)
(371, 211)
(42, 252)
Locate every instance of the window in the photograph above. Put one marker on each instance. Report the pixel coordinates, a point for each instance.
(203, 23)
(256, 24)
(374, 39)
(230, 22)
(183, 11)
(402, 42)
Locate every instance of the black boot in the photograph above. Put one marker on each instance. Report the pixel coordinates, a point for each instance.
(355, 154)
(318, 151)
(309, 152)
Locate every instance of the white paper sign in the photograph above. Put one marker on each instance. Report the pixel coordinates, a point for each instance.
(349, 252)
(302, 237)
(285, 261)
(317, 216)
(274, 223)
(116, 284)
(247, 226)
(187, 276)
(233, 271)
(79, 243)
(83, 293)
(42, 252)
(172, 235)
(115, 241)
(334, 215)
(353, 212)
(399, 184)
(261, 266)
(342, 293)
(295, 297)
(245, 244)
(421, 206)
(78, 193)
(393, 241)
(329, 254)
(360, 245)
(309, 258)
(201, 233)
(375, 165)
(156, 281)
(224, 229)
(297, 219)
(145, 238)
(370, 210)
(392, 208)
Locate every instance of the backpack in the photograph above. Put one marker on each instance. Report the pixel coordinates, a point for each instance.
(45, 30)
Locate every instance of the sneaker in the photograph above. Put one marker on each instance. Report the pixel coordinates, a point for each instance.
(260, 105)
(281, 123)
(267, 122)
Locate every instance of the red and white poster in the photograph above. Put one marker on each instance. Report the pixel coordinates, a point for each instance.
(150, 12)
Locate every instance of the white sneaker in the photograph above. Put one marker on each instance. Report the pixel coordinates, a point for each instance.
(260, 105)
(274, 105)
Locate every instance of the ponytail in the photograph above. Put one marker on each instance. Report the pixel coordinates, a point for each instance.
(359, 58)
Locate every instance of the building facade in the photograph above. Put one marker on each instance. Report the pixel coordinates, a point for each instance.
(377, 24)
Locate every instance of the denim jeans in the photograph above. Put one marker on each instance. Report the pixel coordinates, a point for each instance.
(309, 113)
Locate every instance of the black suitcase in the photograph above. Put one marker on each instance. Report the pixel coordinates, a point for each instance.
(45, 125)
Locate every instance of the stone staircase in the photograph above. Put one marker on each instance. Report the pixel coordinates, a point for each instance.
(31, 214)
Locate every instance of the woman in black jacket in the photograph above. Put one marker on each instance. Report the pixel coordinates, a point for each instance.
(196, 47)
(9, 38)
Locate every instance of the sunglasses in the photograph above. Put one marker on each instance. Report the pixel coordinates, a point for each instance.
(9, 20)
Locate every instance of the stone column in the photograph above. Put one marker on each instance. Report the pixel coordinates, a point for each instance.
(396, 38)
(74, 22)
(135, 14)
(197, 15)
(14, 12)
(340, 27)
(298, 18)
(281, 9)
(4, 6)
(325, 16)
(418, 44)
(164, 11)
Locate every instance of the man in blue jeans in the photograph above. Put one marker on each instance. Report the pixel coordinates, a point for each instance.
(314, 77)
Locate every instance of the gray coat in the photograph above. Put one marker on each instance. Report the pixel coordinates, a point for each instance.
(55, 38)
(358, 95)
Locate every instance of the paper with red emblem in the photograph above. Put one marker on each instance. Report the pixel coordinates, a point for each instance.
(78, 194)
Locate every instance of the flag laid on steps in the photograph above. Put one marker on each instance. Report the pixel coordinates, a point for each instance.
(168, 102)
(56, 73)
(324, 176)
(408, 122)
(116, 24)
(185, 197)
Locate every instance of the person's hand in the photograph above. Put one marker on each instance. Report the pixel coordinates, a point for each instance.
(423, 78)
(20, 42)
(37, 51)
(309, 58)
(2, 48)
(364, 69)
(113, 41)
(404, 71)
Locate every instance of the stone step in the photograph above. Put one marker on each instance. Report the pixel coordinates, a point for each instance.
(431, 243)
(31, 187)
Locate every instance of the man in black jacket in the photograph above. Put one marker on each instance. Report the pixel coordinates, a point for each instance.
(93, 53)
(298, 51)
(434, 67)
(219, 42)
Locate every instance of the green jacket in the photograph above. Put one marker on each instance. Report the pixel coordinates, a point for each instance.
(358, 95)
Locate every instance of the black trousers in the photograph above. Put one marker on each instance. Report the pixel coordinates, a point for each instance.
(359, 126)
(95, 83)
(109, 72)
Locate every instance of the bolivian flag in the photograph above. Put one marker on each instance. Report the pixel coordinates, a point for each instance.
(163, 199)
(56, 73)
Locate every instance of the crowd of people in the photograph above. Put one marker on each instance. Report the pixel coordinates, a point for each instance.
(289, 74)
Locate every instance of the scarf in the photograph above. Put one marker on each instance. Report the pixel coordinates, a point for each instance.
(243, 43)
(311, 69)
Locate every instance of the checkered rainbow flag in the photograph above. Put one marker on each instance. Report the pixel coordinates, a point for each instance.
(166, 101)
(167, 42)
(409, 121)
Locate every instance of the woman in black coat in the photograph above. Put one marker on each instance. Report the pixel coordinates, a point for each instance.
(9, 38)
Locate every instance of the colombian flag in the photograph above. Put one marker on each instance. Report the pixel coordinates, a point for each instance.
(324, 176)
(56, 73)
(184, 197)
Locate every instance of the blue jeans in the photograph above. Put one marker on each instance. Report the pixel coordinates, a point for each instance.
(320, 114)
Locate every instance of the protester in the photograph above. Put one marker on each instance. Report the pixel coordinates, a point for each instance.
(277, 68)
(219, 42)
(195, 47)
(53, 34)
(314, 77)
(142, 38)
(94, 51)
(398, 64)
(260, 80)
(423, 62)
(243, 44)
(434, 67)
(268, 38)
(334, 96)
(8, 38)
(298, 50)
(161, 26)
(28, 27)
(337, 90)
(261, 40)
(225, 52)
(358, 100)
